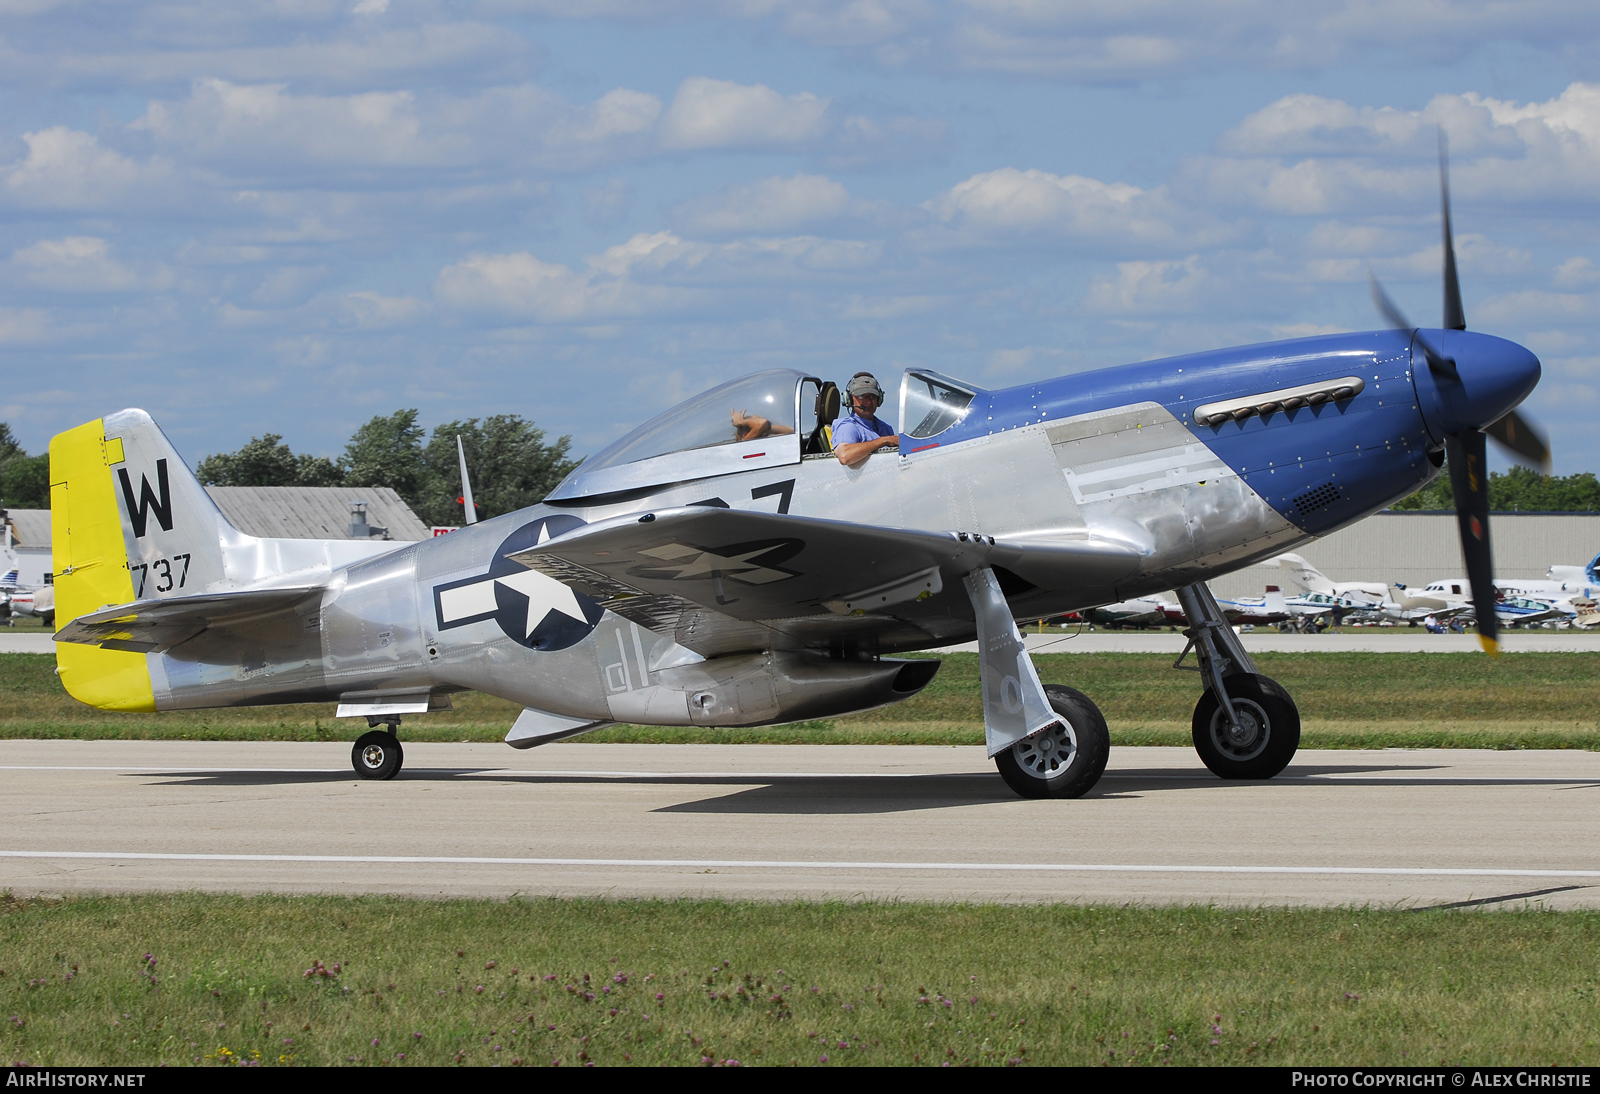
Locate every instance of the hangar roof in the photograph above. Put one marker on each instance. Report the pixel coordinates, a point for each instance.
(314, 512)
(274, 512)
(30, 527)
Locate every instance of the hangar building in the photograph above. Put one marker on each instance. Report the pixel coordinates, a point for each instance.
(1414, 548)
(271, 512)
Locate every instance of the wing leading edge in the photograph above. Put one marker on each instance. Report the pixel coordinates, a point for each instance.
(727, 579)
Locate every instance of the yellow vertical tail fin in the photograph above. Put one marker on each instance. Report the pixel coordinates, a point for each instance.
(90, 559)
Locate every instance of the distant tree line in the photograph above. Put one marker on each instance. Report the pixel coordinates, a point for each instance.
(511, 465)
(1519, 490)
(24, 479)
(508, 460)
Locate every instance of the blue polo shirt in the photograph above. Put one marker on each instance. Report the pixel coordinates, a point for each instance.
(853, 429)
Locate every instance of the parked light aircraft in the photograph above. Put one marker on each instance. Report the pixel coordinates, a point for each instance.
(1142, 611)
(1370, 599)
(1516, 611)
(18, 597)
(1308, 577)
(1578, 580)
(1255, 611)
(1559, 583)
(701, 573)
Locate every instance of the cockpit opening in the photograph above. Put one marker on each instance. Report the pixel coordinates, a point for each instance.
(766, 419)
(747, 409)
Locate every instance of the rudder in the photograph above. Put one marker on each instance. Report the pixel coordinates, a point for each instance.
(91, 568)
(129, 522)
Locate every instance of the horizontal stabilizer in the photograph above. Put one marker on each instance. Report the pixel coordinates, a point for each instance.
(150, 626)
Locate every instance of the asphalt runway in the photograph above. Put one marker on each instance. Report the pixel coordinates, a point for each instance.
(1392, 827)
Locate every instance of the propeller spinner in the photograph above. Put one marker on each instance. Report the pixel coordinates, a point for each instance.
(1498, 375)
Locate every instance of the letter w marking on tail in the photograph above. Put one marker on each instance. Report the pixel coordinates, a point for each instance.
(139, 511)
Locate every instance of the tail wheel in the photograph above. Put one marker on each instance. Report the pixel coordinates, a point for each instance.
(377, 755)
(1263, 739)
(1063, 761)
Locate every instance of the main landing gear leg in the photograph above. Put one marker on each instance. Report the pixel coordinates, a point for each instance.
(377, 754)
(1047, 741)
(1245, 725)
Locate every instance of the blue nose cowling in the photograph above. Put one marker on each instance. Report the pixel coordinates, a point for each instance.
(1496, 375)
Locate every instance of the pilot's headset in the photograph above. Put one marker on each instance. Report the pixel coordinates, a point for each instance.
(864, 383)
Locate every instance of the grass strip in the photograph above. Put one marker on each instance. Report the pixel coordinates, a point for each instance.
(224, 980)
(1347, 700)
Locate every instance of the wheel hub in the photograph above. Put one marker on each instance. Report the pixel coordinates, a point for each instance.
(1247, 737)
(372, 756)
(1048, 753)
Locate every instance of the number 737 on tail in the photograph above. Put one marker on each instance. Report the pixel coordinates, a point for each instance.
(702, 572)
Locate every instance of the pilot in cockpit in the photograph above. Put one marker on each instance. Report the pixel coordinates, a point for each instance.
(860, 433)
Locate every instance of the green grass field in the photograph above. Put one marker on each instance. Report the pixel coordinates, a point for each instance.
(1346, 700)
(323, 980)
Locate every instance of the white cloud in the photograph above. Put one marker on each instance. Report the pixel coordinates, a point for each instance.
(82, 264)
(652, 272)
(1010, 204)
(608, 204)
(1337, 237)
(289, 285)
(1164, 39)
(857, 306)
(854, 22)
(520, 285)
(24, 326)
(619, 113)
(1575, 273)
(1148, 287)
(374, 311)
(171, 45)
(770, 205)
(267, 129)
(664, 256)
(68, 169)
(1382, 158)
(709, 113)
(259, 125)
(1533, 305)
(1305, 124)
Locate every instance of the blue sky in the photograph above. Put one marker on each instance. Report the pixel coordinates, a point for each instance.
(287, 217)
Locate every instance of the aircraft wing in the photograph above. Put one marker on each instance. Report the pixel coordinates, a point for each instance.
(720, 571)
(149, 626)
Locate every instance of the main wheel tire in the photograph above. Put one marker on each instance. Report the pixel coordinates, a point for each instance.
(377, 755)
(1263, 742)
(1058, 763)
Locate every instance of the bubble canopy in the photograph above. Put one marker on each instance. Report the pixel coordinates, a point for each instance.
(741, 425)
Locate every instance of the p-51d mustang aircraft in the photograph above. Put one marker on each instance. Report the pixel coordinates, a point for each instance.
(718, 566)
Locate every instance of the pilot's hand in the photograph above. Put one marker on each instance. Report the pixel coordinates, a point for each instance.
(749, 427)
(856, 452)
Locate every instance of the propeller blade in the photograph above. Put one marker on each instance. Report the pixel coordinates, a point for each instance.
(1518, 436)
(1454, 317)
(1438, 363)
(1466, 454)
(1391, 314)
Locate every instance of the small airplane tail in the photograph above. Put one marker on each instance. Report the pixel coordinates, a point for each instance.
(1590, 570)
(128, 521)
(1304, 574)
(1274, 602)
